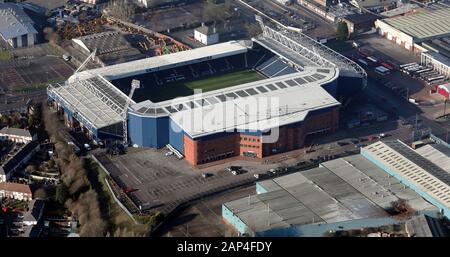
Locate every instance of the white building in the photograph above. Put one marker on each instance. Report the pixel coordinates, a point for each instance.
(206, 35)
(16, 135)
(16, 27)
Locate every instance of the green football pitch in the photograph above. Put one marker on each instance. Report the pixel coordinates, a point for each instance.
(171, 91)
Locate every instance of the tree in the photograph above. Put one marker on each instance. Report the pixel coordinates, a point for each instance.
(122, 10)
(40, 194)
(213, 12)
(342, 31)
(30, 169)
(62, 193)
(253, 30)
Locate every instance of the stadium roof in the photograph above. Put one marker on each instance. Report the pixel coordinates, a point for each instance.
(161, 62)
(280, 100)
(344, 189)
(14, 22)
(424, 24)
(413, 167)
(437, 154)
(95, 99)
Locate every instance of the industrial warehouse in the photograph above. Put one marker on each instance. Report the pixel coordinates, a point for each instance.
(162, 108)
(346, 193)
(425, 32)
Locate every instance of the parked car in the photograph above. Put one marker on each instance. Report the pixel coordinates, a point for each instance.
(87, 147)
(206, 175)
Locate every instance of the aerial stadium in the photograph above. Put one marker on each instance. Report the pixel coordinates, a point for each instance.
(259, 97)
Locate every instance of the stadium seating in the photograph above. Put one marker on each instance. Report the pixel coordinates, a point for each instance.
(274, 67)
(257, 58)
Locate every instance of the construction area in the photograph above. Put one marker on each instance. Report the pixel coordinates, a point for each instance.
(116, 41)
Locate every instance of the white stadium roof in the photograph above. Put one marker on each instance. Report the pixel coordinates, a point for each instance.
(280, 101)
(142, 66)
(95, 99)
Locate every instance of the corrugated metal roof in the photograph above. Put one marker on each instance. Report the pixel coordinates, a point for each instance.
(437, 154)
(424, 24)
(14, 22)
(413, 167)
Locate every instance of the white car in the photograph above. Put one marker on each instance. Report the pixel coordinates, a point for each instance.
(87, 147)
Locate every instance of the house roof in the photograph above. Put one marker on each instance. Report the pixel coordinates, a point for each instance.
(15, 132)
(15, 187)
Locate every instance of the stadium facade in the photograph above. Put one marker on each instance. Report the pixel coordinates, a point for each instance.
(296, 100)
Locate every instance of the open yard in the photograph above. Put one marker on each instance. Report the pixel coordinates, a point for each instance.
(187, 88)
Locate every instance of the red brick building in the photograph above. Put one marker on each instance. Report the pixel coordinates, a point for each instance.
(291, 137)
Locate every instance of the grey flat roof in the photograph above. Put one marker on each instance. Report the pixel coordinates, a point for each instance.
(339, 190)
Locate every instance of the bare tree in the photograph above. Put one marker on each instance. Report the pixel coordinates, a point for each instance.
(122, 9)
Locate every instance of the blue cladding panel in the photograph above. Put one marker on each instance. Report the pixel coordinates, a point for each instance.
(69, 113)
(148, 131)
(135, 129)
(348, 86)
(176, 136)
(234, 220)
(331, 87)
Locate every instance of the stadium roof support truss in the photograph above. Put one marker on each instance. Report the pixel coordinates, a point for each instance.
(80, 110)
(314, 51)
(103, 97)
(290, 43)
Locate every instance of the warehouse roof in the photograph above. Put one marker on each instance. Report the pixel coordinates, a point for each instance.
(424, 24)
(280, 100)
(416, 169)
(339, 190)
(105, 42)
(162, 62)
(437, 154)
(14, 22)
(437, 57)
(95, 99)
